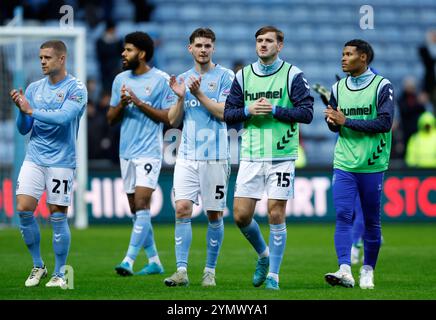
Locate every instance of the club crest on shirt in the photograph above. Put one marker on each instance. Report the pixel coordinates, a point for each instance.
(148, 91)
(60, 96)
(212, 86)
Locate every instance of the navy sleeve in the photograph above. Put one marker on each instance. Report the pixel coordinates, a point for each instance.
(385, 114)
(234, 107)
(302, 101)
(334, 105)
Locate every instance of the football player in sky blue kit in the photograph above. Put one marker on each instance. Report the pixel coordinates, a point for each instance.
(361, 109)
(202, 166)
(51, 109)
(140, 99)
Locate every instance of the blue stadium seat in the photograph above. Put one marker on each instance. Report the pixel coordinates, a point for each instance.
(240, 32)
(190, 12)
(123, 11)
(177, 66)
(165, 13)
(304, 31)
(300, 13)
(176, 49)
(173, 30)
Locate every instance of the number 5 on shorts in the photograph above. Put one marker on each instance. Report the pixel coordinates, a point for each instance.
(219, 193)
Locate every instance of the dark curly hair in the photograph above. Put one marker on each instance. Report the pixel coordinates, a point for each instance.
(142, 41)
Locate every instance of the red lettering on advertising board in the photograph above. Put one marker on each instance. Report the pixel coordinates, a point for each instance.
(410, 186)
(8, 200)
(394, 207)
(425, 205)
(408, 194)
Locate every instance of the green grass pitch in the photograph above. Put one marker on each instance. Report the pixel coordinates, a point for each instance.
(405, 270)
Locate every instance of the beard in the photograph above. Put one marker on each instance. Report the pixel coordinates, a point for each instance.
(131, 64)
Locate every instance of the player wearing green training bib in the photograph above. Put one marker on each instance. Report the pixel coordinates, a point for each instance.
(361, 111)
(270, 97)
(358, 151)
(265, 137)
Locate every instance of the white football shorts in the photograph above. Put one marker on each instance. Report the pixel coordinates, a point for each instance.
(275, 178)
(140, 172)
(34, 179)
(202, 177)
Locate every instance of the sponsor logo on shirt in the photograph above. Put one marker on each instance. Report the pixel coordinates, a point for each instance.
(277, 94)
(169, 97)
(38, 97)
(76, 98)
(195, 103)
(226, 92)
(358, 111)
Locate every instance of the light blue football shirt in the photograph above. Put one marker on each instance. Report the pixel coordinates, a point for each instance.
(141, 136)
(204, 137)
(57, 110)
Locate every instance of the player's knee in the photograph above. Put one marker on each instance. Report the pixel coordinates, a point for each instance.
(141, 204)
(183, 209)
(277, 217)
(24, 206)
(344, 217)
(57, 208)
(276, 211)
(241, 217)
(241, 221)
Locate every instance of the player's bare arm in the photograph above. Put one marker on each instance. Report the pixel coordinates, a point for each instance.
(20, 101)
(153, 113)
(215, 108)
(176, 112)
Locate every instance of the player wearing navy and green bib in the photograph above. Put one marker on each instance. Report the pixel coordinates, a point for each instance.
(51, 109)
(270, 97)
(140, 99)
(202, 166)
(361, 110)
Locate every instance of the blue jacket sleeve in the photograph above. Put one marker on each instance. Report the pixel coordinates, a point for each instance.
(234, 108)
(302, 101)
(385, 114)
(24, 123)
